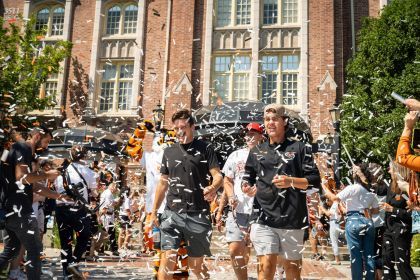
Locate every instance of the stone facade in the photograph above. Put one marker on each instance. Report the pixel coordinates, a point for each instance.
(171, 53)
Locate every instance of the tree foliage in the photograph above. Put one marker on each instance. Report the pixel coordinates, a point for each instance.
(26, 62)
(387, 60)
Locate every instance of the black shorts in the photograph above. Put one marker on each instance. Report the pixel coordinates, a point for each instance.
(125, 222)
(194, 228)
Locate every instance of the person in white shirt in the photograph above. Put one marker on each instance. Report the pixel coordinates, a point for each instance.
(107, 204)
(241, 204)
(126, 220)
(361, 204)
(152, 161)
(73, 216)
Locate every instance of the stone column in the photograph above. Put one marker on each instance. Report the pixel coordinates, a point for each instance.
(255, 22)
(91, 108)
(303, 73)
(207, 53)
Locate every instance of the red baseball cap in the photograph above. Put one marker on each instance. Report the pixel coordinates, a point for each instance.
(255, 127)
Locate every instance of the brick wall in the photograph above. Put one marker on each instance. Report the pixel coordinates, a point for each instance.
(321, 58)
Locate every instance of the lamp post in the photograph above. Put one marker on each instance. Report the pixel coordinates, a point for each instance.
(336, 149)
(158, 115)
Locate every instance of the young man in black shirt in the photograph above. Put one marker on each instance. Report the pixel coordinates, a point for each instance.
(279, 171)
(21, 226)
(190, 174)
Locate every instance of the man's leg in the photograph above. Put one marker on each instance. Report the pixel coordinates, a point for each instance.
(198, 267)
(83, 236)
(65, 232)
(292, 269)
(239, 254)
(267, 266)
(28, 234)
(388, 258)
(121, 238)
(167, 265)
(11, 248)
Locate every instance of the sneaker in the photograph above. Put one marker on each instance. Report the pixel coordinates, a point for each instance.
(115, 253)
(75, 272)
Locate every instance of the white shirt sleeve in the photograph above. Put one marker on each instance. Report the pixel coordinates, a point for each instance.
(346, 193)
(228, 168)
(375, 202)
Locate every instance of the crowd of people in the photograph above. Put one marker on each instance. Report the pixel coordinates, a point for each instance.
(269, 196)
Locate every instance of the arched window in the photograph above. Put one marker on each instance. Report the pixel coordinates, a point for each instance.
(130, 19)
(121, 19)
(113, 20)
(50, 19)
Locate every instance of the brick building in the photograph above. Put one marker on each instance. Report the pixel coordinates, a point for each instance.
(188, 53)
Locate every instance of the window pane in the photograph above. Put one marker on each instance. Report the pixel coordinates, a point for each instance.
(126, 71)
(269, 88)
(51, 90)
(290, 62)
(240, 87)
(130, 19)
(107, 96)
(290, 11)
(242, 63)
(224, 8)
(42, 19)
(113, 20)
(124, 95)
(222, 64)
(270, 63)
(221, 86)
(270, 11)
(57, 22)
(289, 89)
(110, 72)
(243, 12)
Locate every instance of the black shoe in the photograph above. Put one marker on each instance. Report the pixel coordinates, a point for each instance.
(75, 272)
(115, 253)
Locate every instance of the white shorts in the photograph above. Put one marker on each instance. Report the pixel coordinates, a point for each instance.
(39, 216)
(285, 242)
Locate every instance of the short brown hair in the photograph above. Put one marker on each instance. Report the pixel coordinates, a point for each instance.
(42, 129)
(183, 114)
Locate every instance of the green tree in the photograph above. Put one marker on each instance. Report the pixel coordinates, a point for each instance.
(387, 60)
(26, 61)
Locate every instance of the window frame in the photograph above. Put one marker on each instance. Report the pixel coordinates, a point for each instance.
(231, 75)
(279, 72)
(280, 16)
(116, 88)
(49, 25)
(233, 16)
(121, 27)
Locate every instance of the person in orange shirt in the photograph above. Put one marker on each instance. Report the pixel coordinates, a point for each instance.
(404, 153)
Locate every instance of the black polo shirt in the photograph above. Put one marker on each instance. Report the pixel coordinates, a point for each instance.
(187, 167)
(274, 207)
(18, 197)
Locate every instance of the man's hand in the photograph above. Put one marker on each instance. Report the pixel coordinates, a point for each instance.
(209, 193)
(154, 219)
(52, 174)
(219, 222)
(412, 104)
(282, 181)
(248, 190)
(386, 207)
(410, 119)
(233, 202)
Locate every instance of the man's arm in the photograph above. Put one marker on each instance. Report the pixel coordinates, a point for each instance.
(23, 174)
(159, 196)
(44, 191)
(210, 191)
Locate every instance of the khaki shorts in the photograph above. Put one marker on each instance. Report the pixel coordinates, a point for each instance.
(285, 242)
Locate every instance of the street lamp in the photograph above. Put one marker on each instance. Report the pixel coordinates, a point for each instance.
(158, 114)
(336, 149)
